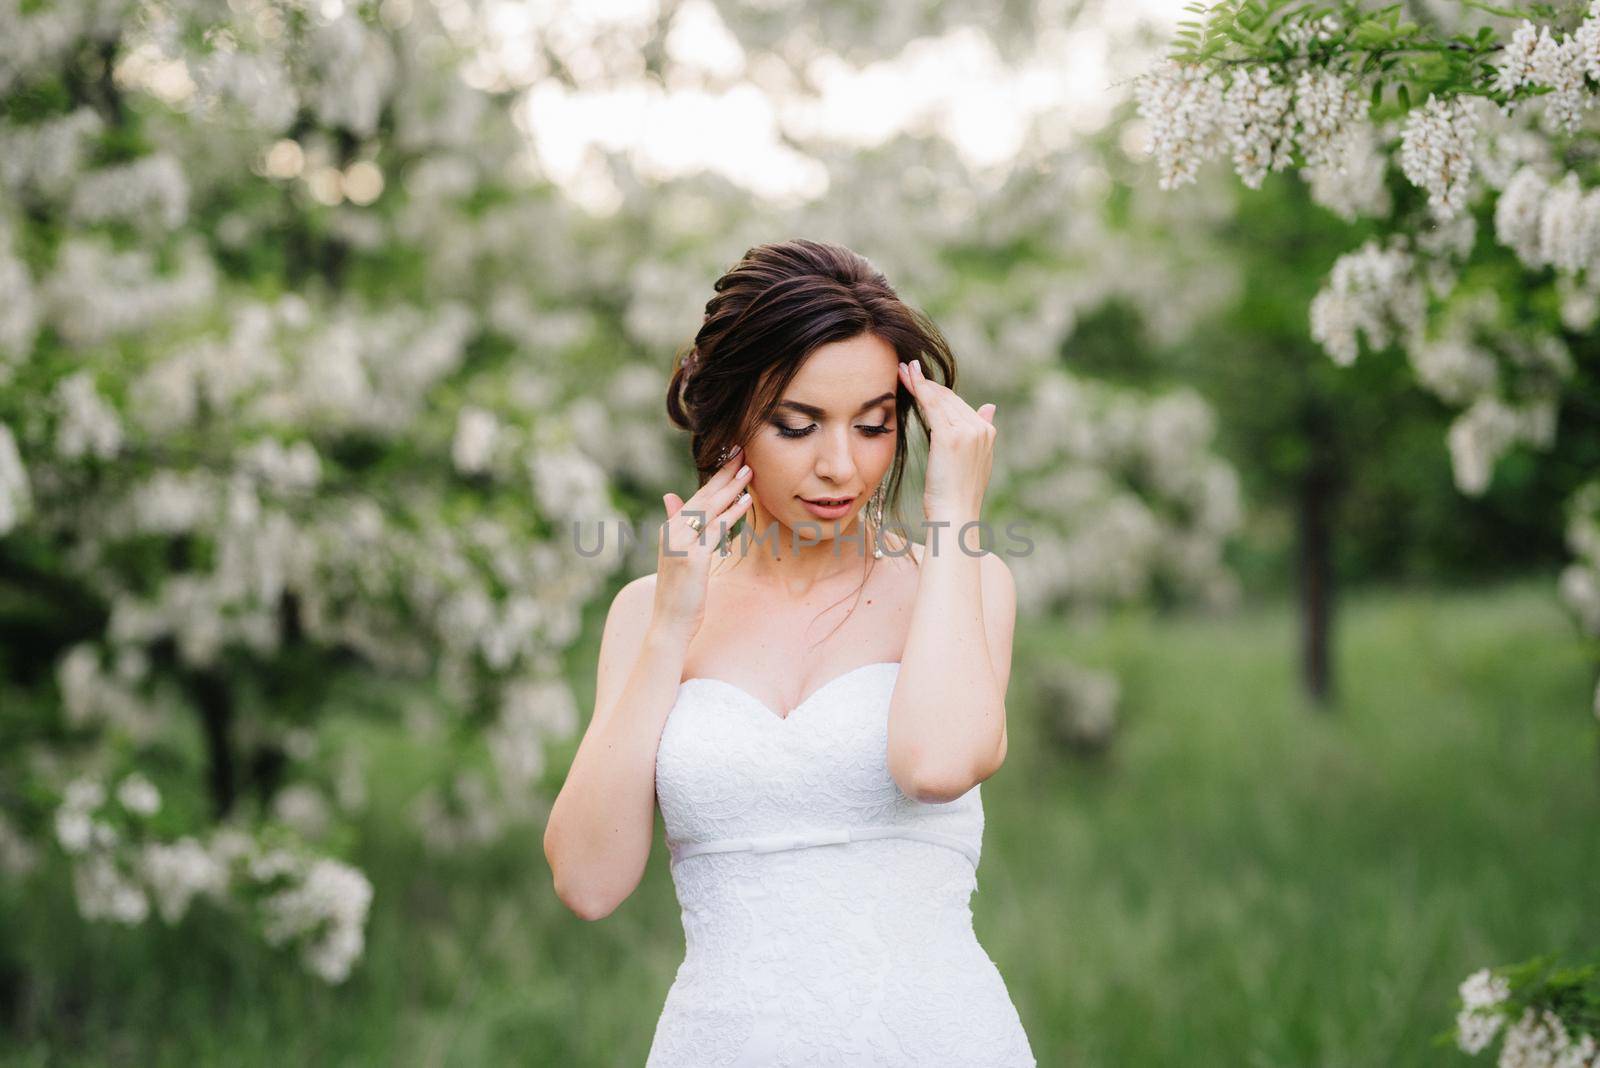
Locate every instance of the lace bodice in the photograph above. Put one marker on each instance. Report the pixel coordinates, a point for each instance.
(826, 914)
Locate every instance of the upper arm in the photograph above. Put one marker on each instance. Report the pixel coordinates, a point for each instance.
(999, 593)
(627, 623)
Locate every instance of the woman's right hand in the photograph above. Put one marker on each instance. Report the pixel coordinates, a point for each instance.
(682, 574)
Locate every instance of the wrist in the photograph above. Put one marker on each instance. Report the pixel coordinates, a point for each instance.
(952, 518)
(952, 532)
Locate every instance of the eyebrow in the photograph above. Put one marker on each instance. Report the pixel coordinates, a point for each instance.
(817, 413)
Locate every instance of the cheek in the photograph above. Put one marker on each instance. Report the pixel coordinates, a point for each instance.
(878, 450)
(772, 466)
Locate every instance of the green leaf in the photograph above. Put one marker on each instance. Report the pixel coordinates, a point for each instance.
(1371, 35)
(1405, 97)
(1503, 12)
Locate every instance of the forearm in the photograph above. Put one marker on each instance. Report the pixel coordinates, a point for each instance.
(948, 712)
(601, 824)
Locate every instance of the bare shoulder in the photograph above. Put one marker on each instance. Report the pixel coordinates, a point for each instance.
(631, 600)
(643, 586)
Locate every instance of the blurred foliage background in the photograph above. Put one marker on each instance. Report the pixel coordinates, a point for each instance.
(323, 325)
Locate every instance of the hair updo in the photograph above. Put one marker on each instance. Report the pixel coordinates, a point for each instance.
(771, 310)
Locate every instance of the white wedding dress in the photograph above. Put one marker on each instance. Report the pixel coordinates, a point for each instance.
(827, 915)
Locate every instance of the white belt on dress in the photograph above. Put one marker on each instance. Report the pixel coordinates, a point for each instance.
(772, 843)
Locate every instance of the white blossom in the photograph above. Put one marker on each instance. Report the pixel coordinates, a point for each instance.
(1579, 587)
(177, 872)
(139, 795)
(256, 84)
(1303, 32)
(327, 909)
(1587, 38)
(84, 794)
(1515, 67)
(73, 829)
(1182, 104)
(1441, 247)
(1569, 225)
(47, 156)
(18, 856)
(19, 311)
(285, 469)
(104, 892)
(1327, 109)
(1371, 292)
(568, 484)
(1538, 1039)
(302, 806)
(1476, 1027)
(1436, 150)
(171, 502)
(1549, 225)
(1517, 214)
(467, 816)
(16, 498)
(1477, 438)
(355, 72)
(1254, 110)
(1580, 303)
(1559, 66)
(87, 426)
(1353, 186)
(151, 189)
(98, 292)
(473, 446)
(1454, 368)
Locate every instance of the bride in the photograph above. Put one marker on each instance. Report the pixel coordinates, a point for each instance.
(817, 763)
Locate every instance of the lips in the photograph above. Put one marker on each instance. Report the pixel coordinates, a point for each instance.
(828, 501)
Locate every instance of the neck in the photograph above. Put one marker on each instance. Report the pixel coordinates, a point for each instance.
(798, 561)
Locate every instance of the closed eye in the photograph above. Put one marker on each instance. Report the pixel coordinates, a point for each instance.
(800, 432)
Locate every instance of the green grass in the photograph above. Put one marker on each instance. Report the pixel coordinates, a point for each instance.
(1243, 880)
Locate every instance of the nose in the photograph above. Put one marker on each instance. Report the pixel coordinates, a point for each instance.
(834, 462)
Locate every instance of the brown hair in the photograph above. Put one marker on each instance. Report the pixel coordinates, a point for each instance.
(774, 307)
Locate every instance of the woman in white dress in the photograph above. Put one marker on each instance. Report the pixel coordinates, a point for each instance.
(812, 700)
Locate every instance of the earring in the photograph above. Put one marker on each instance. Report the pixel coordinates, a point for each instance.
(875, 513)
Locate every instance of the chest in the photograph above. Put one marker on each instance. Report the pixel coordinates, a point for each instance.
(782, 651)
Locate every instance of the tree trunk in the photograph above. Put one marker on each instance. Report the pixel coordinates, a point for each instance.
(1315, 572)
(215, 702)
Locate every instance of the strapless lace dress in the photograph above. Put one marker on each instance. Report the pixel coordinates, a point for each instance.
(827, 915)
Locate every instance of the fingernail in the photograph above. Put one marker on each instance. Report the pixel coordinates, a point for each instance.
(918, 365)
(745, 470)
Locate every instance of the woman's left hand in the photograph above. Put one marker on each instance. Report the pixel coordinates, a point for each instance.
(960, 452)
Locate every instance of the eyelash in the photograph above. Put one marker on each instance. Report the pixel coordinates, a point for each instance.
(870, 431)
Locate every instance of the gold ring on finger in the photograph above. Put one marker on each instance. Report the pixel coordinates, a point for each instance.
(697, 524)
